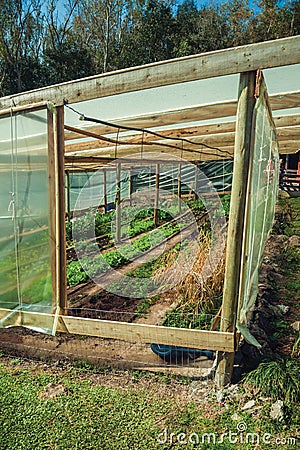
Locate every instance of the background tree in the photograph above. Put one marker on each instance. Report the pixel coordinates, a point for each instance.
(21, 40)
(272, 22)
(238, 16)
(47, 43)
(66, 55)
(150, 33)
(102, 24)
(199, 30)
(292, 17)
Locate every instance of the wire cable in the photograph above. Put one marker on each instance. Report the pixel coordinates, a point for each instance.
(144, 130)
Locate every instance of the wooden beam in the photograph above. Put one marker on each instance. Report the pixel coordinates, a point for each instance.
(216, 140)
(287, 120)
(67, 195)
(288, 133)
(289, 147)
(130, 185)
(286, 100)
(165, 118)
(208, 340)
(280, 52)
(179, 189)
(60, 208)
(180, 131)
(156, 198)
(180, 118)
(243, 154)
(105, 190)
(118, 202)
(52, 205)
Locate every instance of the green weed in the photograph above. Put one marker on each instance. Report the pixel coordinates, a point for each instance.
(278, 379)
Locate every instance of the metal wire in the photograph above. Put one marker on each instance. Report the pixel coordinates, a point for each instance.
(144, 130)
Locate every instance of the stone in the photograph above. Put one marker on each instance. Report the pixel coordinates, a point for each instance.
(248, 405)
(52, 390)
(236, 417)
(296, 325)
(294, 241)
(220, 396)
(283, 194)
(277, 412)
(283, 308)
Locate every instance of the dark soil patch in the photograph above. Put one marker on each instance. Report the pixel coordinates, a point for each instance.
(105, 306)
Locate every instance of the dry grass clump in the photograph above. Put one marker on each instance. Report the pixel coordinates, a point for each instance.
(202, 288)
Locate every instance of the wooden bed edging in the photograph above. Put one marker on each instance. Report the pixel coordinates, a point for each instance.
(201, 339)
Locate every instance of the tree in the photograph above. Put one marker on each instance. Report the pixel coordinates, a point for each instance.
(272, 22)
(101, 24)
(66, 55)
(199, 30)
(150, 34)
(238, 16)
(21, 38)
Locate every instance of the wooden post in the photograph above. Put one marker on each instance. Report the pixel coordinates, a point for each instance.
(52, 204)
(179, 189)
(156, 198)
(118, 201)
(67, 195)
(196, 183)
(60, 208)
(104, 191)
(130, 186)
(243, 154)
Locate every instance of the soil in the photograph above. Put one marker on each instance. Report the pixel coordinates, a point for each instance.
(63, 347)
(93, 301)
(105, 306)
(273, 305)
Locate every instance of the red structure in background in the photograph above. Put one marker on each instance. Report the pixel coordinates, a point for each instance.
(290, 173)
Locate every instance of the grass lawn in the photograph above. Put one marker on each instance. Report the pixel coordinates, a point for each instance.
(44, 406)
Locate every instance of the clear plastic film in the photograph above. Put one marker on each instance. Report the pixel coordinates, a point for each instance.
(218, 172)
(262, 197)
(25, 252)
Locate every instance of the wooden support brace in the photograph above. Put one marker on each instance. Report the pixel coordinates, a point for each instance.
(156, 198)
(118, 202)
(242, 160)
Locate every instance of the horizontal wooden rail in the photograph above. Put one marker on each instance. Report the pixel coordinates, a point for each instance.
(261, 55)
(200, 339)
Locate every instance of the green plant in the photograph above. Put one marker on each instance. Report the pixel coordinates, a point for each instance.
(190, 317)
(69, 231)
(278, 379)
(296, 347)
(144, 305)
(284, 217)
(281, 328)
(75, 274)
(226, 204)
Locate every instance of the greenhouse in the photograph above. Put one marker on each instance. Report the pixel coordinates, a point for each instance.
(112, 185)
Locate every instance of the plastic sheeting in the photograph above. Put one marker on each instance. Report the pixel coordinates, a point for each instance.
(93, 184)
(260, 210)
(25, 253)
(144, 177)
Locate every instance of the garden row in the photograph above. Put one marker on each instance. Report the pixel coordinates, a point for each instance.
(142, 223)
